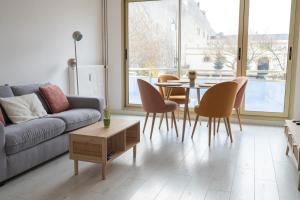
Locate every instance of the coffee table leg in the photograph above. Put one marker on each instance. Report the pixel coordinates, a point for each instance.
(75, 167)
(134, 152)
(103, 171)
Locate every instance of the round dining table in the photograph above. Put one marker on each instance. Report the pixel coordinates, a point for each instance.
(169, 86)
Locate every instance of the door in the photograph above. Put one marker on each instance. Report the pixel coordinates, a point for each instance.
(267, 59)
(151, 42)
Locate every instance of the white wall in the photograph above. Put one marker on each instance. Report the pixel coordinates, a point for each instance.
(35, 42)
(36, 39)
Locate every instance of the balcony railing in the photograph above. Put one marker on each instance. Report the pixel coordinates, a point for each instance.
(208, 74)
(265, 91)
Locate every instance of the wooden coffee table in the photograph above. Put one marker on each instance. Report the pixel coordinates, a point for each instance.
(97, 144)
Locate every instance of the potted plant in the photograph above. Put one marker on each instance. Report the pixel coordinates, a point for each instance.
(106, 117)
(192, 74)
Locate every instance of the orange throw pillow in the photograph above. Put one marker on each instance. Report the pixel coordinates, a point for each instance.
(2, 120)
(55, 98)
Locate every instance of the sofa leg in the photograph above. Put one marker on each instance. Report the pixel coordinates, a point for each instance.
(2, 183)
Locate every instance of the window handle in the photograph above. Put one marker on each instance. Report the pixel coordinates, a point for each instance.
(290, 53)
(126, 54)
(239, 53)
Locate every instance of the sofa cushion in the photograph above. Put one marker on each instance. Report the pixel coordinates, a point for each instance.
(55, 98)
(28, 134)
(77, 118)
(23, 108)
(28, 89)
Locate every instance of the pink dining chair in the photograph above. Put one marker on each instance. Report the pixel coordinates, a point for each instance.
(242, 84)
(154, 103)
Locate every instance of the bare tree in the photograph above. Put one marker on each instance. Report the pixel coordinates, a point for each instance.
(151, 43)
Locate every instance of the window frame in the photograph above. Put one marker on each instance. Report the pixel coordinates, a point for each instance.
(241, 64)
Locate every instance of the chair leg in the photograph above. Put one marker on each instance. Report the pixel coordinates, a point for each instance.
(225, 123)
(161, 120)
(218, 127)
(147, 115)
(153, 121)
(239, 119)
(188, 114)
(196, 120)
(209, 131)
(214, 126)
(229, 129)
(287, 150)
(167, 122)
(174, 120)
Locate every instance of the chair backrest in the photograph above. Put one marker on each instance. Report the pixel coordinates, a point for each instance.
(167, 77)
(151, 99)
(242, 84)
(218, 100)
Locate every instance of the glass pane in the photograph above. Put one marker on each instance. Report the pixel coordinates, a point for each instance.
(209, 39)
(152, 36)
(267, 55)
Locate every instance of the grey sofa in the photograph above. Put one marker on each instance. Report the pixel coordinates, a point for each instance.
(25, 145)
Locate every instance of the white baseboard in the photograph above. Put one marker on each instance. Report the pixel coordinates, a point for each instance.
(245, 119)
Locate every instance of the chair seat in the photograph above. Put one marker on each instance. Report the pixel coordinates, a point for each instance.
(170, 106)
(180, 99)
(201, 113)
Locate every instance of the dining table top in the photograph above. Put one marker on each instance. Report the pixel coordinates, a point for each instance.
(178, 84)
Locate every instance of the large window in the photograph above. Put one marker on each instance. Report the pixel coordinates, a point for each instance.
(152, 40)
(220, 39)
(208, 45)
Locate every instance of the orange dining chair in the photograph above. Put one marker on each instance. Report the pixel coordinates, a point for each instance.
(217, 102)
(177, 94)
(242, 84)
(154, 103)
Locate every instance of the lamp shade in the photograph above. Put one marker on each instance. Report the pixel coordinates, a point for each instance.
(72, 62)
(77, 36)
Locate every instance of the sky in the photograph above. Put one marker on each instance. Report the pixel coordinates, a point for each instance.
(265, 16)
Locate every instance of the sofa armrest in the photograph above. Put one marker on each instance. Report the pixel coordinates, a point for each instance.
(2, 154)
(86, 102)
(2, 137)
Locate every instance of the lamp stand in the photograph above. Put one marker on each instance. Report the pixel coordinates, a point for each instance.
(76, 66)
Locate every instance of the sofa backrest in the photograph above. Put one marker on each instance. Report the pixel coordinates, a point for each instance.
(5, 91)
(29, 89)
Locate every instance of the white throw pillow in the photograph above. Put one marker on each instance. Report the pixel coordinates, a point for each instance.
(23, 108)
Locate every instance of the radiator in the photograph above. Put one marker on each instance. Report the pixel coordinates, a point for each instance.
(91, 80)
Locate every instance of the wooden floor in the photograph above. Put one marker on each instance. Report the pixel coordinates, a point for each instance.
(253, 167)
